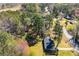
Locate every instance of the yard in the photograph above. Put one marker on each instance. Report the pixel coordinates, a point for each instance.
(37, 50)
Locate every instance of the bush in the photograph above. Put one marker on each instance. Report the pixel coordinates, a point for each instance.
(4, 44)
(70, 27)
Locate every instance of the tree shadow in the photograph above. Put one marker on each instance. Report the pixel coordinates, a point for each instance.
(59, 40)
(51, 52)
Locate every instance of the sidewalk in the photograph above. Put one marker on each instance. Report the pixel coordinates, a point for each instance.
(65, 48)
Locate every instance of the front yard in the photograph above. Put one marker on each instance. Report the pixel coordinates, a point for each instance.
(37, 50)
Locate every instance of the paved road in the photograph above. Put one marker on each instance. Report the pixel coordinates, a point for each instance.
(18, 7)
(69, 37)
(68, 49)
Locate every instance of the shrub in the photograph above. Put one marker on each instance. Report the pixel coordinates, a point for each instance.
(4, 45)
(70, 27)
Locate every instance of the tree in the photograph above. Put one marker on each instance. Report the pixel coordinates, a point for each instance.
(55, 12)
(58, 28)
(58, 32)
(66, 9)
(38, 24)
(31, 8)
(26, 21)
(49, 20)
(42, 6)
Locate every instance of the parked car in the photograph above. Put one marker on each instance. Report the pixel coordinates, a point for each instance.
(69, 17)
(49, 46)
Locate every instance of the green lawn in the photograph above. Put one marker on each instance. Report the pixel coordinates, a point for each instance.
(65, 53)
(37, 50)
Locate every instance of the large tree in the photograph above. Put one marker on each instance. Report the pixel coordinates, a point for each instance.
(38, 24)
(49, 21)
